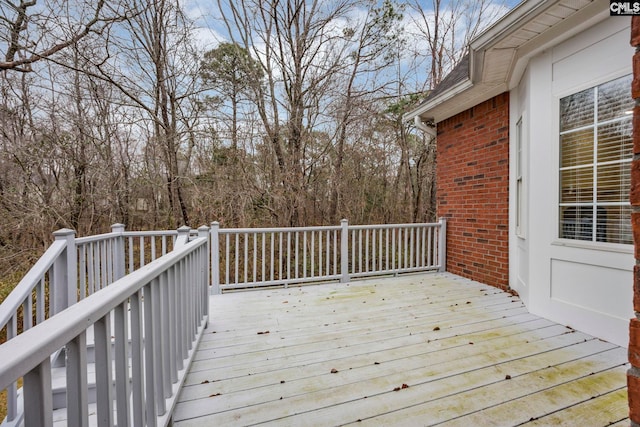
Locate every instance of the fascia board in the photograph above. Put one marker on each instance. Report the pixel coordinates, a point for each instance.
(455, 90)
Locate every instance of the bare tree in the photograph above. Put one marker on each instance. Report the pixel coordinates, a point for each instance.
(31, 31)
(156, 69)
(447, 27)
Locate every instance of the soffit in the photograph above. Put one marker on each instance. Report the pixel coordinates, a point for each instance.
(503, 48)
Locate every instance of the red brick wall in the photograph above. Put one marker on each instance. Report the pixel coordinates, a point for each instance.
(473, 190)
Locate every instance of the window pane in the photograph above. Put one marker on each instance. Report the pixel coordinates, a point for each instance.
(596, 143)
(614, 98)
(576, 148)
(614, 182)
(614, 141)
(576, 185)
(577, 110)
(614, 224)
(576, 222)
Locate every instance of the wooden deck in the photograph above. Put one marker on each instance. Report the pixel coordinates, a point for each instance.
(430, 349)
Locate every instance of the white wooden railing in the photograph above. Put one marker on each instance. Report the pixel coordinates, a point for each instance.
(154, 317)
(76, 277)
(256, 257)
(70, 270)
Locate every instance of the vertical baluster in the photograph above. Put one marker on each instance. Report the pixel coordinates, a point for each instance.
(104, 390)
(393, 248)
(374, 254)
(366, 249)
(335, 252)
(328, 254)
(360, 250)
(158, 372)
(149, 359)
(153, 248)
(137, 375)
(386, 248)
(430, 262)
(141, 242)
(27, 312)
(412, 233)
(165, 334)
(296, 254)
(304, 254)
(255, 256)
(82, 252)
(177, 295)
(171, 313)
(89, 269)
(37, 396)
(131, 260)
(95, 248)
(104, 280)
(94, 267)
(164, 245)
(406, 249)
(380, 253)
(76, 365)
(320, 253)
(313, 250)
(40, 301)
(246, 256)
(272, 263)
(12, 390)
(264, 258)
(423, 241)
(227, 259)
(288, 255)
(186, 342)
(400, 248)
(237, 260)
(121, 334)
(353, 251)
(280, 270)
(48, 289)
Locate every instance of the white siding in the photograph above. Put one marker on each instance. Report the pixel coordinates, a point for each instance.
(585, 285)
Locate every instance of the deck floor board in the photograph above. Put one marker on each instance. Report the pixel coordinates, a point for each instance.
(457, 351)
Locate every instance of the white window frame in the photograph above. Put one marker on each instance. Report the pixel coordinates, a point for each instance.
(594, 203)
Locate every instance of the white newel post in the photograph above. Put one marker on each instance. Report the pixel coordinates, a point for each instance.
(118, 251)
(183, 236)
(64, 286)
(344, 251)
(442, 245)
(215, 257)
(203, 231)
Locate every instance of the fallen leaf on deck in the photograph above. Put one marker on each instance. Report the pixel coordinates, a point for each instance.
(205, 382)
(214, 395)
(262, 333)
(508, 377)
(334, 371)
(437, 328)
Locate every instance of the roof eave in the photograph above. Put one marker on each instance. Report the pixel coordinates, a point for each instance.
(455, 90)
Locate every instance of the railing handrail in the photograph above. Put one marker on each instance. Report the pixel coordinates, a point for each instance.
(256, 257)
(390, 226)
(22, 290)
(27, 350)
(172, 286)
(279, 229)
